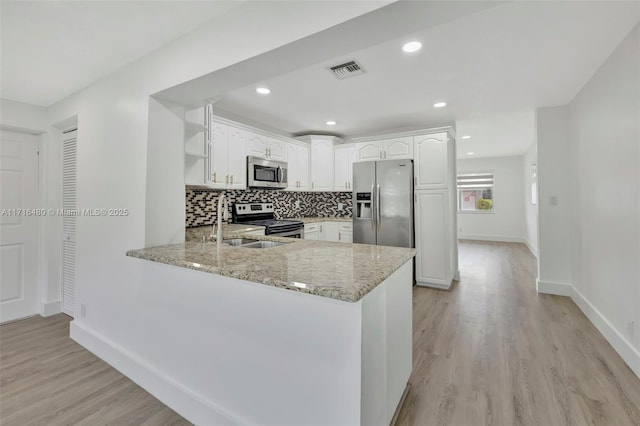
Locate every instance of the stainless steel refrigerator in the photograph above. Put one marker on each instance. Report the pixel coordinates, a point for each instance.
(383, 203)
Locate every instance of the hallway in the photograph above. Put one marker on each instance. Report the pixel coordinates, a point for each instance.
(494, 352)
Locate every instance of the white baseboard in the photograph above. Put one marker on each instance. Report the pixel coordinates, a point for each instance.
(499, 238)
(621, 345)
(532, 249)
(194, 407)
(550, 287)
(50, 308)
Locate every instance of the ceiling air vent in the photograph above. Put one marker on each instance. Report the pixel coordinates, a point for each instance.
(346, 70)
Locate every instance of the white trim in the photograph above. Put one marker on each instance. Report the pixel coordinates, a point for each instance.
(172, 393)
(550, 287)
(228, 122)
(50, 308)
(482, 237)
(531, 248)
(420, 132)
(620, 344)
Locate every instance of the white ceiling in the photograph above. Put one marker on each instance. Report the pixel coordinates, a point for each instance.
(493, 68)
(51, 49)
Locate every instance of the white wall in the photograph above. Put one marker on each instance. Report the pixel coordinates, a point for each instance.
(554, 199)
(506, 223)
(530, 210)
(605, 141)
(23, 117)
(113, 138)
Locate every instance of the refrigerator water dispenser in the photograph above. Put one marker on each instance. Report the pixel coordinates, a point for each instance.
(363, 205)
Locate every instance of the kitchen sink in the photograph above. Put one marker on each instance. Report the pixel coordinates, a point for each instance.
(239, 241)
(251, 243)
(263, 244)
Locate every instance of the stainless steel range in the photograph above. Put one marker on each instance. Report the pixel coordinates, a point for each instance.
(262, 214)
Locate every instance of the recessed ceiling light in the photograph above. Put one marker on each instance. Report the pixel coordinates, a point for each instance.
(263, 90)
(412, 46)
(466, 137)
(331, 123)
(440, 105)
(470, 153)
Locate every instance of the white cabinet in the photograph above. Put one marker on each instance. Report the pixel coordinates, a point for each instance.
(435, 210)
(431, 161)
(344, 156)
(369, 151)
(431, 216)
(298, 167)
(311, 231)
(386, 149)
(398, 148)
(328, 231)
(345, 232)
(227, 154)
(321, 160)
(265, 147)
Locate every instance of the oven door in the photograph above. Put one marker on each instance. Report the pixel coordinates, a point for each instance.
(263, 173)
(289, 234)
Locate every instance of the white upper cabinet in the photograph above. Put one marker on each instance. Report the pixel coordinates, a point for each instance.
(227, 157)
(218, 155)
(344, 156)
(398, 148)
(367, 151)
(386, 149)
(322, 159)
(237, 158)
(431, 161)
(266, 147)
(277, 150)
(297, 167)
(322, 165)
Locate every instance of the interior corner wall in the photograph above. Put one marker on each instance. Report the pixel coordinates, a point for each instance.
(19, 116)
(554, 200)
(530, 210)
(605, 175)
(506, 223)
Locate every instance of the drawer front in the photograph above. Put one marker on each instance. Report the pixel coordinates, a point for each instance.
(311, 227)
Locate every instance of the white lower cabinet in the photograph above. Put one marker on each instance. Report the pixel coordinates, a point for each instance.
(329, 231)
(435, 266)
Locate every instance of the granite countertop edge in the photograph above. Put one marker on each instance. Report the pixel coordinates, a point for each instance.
(342, 293)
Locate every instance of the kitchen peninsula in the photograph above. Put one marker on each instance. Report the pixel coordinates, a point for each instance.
(308, 332)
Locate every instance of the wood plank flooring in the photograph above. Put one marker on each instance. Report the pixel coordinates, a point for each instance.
(489, 352)
(494, 352)
(48, 379)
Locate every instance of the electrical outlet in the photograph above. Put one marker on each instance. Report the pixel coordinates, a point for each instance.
(340, 206)
(631, 326)
(83, 311)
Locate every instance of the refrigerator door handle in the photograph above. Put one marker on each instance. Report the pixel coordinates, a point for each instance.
(378, 218)
(373, 208)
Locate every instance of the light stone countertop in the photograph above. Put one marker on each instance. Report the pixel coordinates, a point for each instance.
(338, 271)
(229, 230)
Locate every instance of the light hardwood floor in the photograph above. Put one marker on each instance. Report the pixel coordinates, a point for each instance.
(494, 352)
(489, 352)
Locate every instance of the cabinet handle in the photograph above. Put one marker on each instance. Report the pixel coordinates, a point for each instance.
(312, 185)
(339, 236)
(231, 179)
(415, 197)
(226, 179)
(213, 177)
(320, 228)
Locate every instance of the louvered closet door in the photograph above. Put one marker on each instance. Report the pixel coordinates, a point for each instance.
(69, 204)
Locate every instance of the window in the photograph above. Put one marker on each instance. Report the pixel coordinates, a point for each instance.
(475, 192)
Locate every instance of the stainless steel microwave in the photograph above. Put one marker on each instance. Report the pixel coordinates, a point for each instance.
(263, 173)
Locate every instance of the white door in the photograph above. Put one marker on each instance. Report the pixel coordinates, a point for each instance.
(369, 151)
(69, 204)
(399, 148)
(430, 170)
(277, 150)
(237, 157)
(342, 164)
(431, 226)
(322, 165)
(292, 167)
(302, 158)
(219, 155)
(257, 145)
(18, 225)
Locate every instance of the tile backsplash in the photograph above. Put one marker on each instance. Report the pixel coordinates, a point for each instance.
(202, 203)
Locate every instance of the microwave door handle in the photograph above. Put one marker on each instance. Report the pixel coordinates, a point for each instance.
(278, 175)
